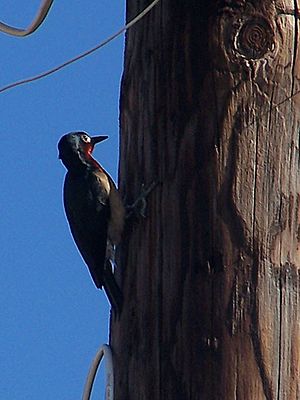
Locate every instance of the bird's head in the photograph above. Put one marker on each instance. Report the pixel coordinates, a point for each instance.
(75, 149)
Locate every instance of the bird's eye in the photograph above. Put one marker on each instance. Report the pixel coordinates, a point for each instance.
(86, 138)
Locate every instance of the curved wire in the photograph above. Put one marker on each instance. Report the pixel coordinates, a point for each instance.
(41, 15)
(104, 351)
(82, 55)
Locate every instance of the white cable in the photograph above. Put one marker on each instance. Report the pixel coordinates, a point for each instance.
(82, 55)
(41, 15)
(109, 372)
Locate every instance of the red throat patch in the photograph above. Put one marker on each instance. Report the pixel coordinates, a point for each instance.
(88, 150)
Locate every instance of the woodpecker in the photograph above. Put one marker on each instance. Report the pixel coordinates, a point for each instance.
(94, 209)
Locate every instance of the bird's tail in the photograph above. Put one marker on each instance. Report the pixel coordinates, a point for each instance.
(111, 288)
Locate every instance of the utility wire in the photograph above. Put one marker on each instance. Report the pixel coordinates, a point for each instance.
(41, 15)
(82, 55)
(104, 351)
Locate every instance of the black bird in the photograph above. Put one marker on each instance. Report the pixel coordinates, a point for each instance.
(93, 208)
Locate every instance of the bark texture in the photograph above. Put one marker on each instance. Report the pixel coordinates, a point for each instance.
(211, 276)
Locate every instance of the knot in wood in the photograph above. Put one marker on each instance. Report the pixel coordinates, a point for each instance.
(254, 38)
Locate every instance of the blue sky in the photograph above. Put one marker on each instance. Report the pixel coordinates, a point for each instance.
(52, 317)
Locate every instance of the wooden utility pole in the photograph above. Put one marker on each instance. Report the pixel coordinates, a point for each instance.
(211, 276)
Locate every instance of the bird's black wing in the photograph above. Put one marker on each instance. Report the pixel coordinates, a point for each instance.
(87, 209)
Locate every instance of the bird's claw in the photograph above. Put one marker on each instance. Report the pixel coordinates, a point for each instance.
(140, 205)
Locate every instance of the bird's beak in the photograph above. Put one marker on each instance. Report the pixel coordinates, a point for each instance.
(98, 139)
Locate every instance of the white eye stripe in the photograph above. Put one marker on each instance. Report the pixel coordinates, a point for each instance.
(86, 138)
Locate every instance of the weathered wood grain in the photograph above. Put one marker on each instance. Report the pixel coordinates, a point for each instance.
(211, 276)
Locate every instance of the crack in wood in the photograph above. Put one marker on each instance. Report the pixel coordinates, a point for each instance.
(280, 337)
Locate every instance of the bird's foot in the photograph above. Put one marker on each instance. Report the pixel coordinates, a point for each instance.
(138, 208)
(110, 252)
(112, 289)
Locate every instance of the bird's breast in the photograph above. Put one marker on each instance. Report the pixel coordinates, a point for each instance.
(117, 215)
